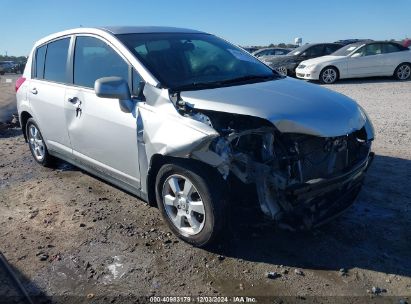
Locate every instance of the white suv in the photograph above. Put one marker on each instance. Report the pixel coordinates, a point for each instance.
(181, 118)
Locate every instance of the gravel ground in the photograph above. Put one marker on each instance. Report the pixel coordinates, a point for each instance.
(73, 238)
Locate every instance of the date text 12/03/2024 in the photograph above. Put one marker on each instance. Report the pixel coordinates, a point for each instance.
(202, 299)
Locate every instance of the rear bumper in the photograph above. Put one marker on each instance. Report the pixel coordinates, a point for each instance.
(318, 201)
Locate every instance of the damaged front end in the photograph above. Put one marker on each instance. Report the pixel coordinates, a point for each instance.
(301, 180)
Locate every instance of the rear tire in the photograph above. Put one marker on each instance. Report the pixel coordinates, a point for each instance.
(403, 72)
(329, 75)
(190, 198)
(37, 145)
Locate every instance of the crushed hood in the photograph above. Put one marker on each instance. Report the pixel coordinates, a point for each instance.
(293, 106)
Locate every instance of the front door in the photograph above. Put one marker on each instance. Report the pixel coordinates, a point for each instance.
(103, 137)
(367, 61)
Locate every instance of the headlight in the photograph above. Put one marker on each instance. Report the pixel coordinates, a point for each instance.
(369, 127)
(310, 67)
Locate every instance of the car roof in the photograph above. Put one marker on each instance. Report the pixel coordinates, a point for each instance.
(319, 43)
(359, 43)
(382, 41)
(117, 30)
(273, 48)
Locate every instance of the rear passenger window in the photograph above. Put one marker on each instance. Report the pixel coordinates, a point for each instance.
(56, 60)
(39, 64)
(391, 48)
(330, 48)
(315, 51)
(94, 59)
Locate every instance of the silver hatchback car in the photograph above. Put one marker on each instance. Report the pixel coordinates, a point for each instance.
(183, 119)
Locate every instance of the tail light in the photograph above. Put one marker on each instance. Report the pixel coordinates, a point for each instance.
(19, 82)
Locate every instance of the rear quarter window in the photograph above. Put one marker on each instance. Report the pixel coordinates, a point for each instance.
(392, 48)
(56, 60)
(40, 57)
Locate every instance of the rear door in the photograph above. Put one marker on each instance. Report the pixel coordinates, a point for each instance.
(314, 51)
(368, 61)
(46, 93)
(103, 137)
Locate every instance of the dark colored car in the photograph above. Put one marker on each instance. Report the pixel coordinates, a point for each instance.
(271, 51)
(287, 64)
(349, 41)
(11, 67)
(250, 49)
(19, 68)
(4, 67)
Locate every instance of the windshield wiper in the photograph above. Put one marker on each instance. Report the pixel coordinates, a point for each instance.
(196, 86)
(249, 78)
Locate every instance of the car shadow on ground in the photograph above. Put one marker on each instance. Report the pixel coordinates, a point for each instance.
(17, 288)
(373, 234)
(7, 132)
(360, 81)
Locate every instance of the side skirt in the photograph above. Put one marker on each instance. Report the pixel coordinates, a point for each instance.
(110, 179)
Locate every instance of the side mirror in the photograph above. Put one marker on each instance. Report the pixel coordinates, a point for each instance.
(114, 87)
(355, 55)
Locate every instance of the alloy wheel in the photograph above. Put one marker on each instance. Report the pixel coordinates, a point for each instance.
(36, 143)
(183, 204)
(329, 76)
(282, 70)
(404, 72)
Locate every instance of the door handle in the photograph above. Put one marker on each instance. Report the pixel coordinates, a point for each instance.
(34, 91)
(72, 100)
(77, 102)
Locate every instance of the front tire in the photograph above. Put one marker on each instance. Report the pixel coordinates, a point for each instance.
(403, 72)
(282, 70)
(329, 75)
(37, 145)
(191, 202)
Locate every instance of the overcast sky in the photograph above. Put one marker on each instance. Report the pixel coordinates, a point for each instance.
(241, 22)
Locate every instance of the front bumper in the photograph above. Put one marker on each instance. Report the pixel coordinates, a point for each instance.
(318, 201)
(308, 74)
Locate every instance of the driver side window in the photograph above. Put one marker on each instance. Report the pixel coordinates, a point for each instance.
(370, 50)
(94, 59)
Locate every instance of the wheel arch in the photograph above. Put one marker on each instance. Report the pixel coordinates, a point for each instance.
(24, 117)
(158, 160)
(331, 66)
(398, 65)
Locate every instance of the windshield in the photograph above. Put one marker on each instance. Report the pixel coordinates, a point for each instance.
(188, 59)
(298, 50)
(347, 50)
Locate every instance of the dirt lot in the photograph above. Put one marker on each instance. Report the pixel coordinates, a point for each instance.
(70, 237)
